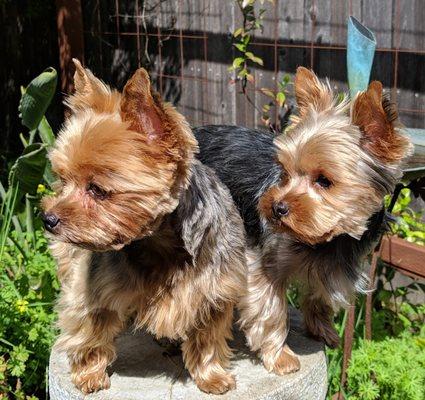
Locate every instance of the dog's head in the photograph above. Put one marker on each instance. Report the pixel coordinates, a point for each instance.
(121, 159)
(338, 162)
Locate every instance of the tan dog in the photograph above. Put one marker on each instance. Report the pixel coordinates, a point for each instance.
(141, 231)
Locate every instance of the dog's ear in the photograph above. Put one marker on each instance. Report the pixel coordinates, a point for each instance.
(377, 119)
(142, 107)
(310, 92)
(90, 92)
(84, 80)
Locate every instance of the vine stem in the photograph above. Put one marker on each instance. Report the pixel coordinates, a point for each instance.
(244, 80)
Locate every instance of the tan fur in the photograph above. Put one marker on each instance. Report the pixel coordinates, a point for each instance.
(263, 317)
(375, 116)
(138, 152)
(310, 93)
(326, 141)
(206, 352)
(94, 146)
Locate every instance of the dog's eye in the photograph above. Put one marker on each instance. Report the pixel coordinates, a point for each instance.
(96, 192)
(323, 182)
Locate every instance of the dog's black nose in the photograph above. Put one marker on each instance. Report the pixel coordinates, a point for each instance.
(49, 220)
(280, 209)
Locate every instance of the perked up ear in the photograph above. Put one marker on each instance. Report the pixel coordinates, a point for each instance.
(84, 80)
(311, 93)
(91, 92)
(141, 107)
(377, 119)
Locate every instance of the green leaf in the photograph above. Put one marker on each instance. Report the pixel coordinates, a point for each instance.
(238, 32)
(258, 60)
(284, 82)
(45, 132)
(37, 97)
(48, 175)
(237, 62)
(28, 169)
(19, 356)
(280, 98)
(286, 79)
(253, 58)
(243, 73)
(240, 46)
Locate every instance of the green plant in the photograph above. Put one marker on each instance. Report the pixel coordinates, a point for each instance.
(243, 36)
(32, 167)
(28, 290)
(394, 315)
(393, 318)
(397, 324)
(28, 280)
(252, 22)
(409, 224)
(391, 369)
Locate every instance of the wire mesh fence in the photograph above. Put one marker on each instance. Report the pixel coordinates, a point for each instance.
(187, 47)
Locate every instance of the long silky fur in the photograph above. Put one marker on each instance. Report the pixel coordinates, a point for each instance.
(245, 160)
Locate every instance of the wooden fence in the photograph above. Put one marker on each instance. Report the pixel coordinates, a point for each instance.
(187, 46)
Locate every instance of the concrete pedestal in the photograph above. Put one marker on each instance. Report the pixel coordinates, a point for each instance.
(144, 370)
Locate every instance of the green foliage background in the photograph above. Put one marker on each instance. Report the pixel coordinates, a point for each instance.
(28, 291)
(28, 282)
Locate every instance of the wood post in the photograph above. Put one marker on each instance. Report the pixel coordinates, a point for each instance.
(71, 39)
(348, 346)
(369, 298)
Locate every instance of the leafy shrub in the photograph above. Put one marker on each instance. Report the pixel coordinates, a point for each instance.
(409, 224)
(393, 315)
(28, 283)
(391, 369)
(28, 289)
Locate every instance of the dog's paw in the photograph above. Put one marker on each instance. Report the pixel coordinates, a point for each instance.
(90, 382)
(217, 383)
(285, 363)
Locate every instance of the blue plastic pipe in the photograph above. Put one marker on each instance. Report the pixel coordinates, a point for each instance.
(361, 44)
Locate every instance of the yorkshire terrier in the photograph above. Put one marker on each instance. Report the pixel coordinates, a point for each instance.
(312, 203)
(142, 232)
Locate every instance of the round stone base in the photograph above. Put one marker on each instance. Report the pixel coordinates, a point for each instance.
(146, 370)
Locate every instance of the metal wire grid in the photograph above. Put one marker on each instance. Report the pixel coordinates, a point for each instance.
(271, 45)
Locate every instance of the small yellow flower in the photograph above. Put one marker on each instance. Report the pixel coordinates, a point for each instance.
(41, 188)
(21, 305)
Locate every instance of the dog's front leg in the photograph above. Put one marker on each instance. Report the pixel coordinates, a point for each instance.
(264, 315)
(318, 316)
(206, 353)
(89, 343)
(93, 309)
